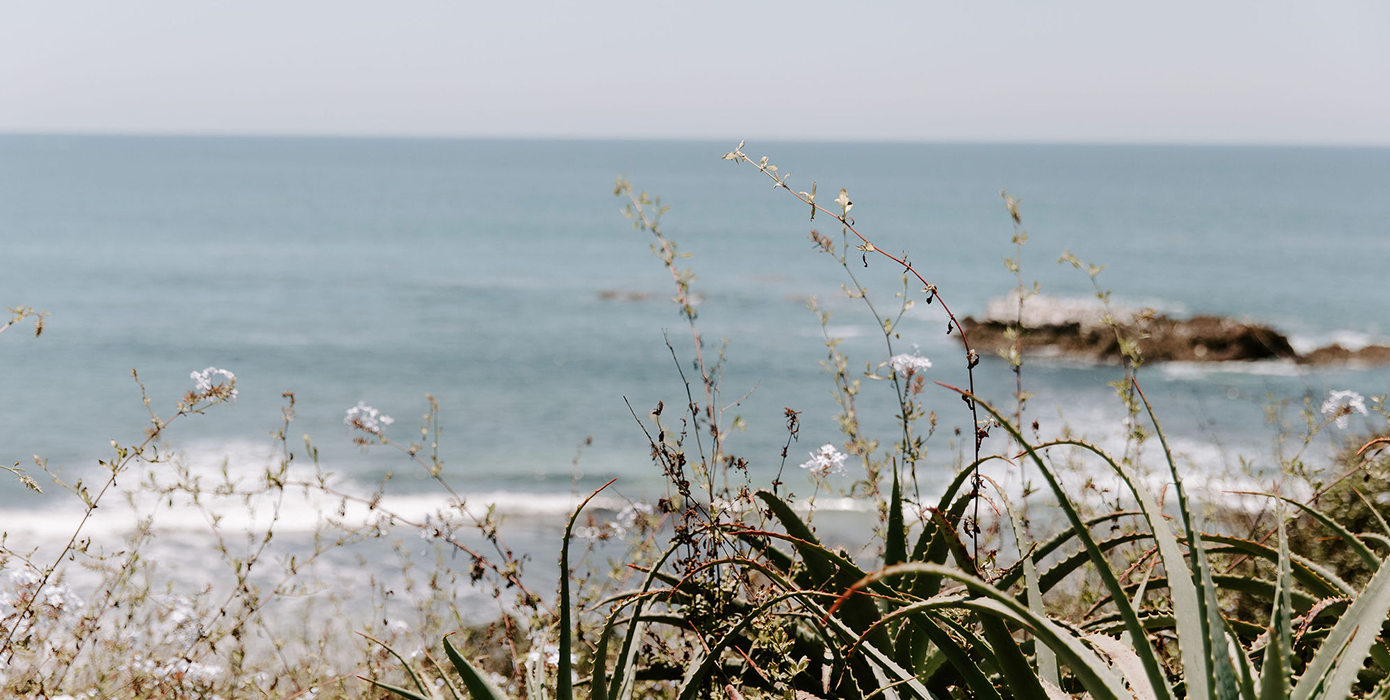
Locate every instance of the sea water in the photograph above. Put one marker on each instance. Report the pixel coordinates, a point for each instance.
(499, 277)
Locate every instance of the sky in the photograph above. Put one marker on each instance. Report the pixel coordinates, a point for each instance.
(1178, 71)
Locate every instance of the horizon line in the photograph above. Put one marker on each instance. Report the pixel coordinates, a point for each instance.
(441, 136)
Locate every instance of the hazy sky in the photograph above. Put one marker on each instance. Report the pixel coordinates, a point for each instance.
(1210, 71)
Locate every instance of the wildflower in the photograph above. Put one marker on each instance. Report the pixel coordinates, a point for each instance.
(61, 597)
(396, 627)
(1342, 404)
(826, 461)
(189, 674)
(24, 578)
(906, 365)
(630, 516)
(364, 417)
(205, 388)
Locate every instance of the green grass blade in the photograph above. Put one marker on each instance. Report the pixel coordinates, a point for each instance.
(478, 686)
(564, 684)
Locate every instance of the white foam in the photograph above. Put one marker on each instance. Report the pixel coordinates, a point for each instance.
(240, 467)
(1203, 370)
(1349, 339)
(1047, 310)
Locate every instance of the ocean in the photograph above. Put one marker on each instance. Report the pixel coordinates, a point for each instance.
(499, 277)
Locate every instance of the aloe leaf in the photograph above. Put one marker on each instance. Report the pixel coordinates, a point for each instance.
(620, 687)
(1358, 546)
(1221, 674)
(564, 685)
(829, 568)
(1380, 519)
(1276, 671)
(1013, 666)
(1094, 674)
(1319, 580)
(691, 686)
(939, 548)
(1143, 646)
(1054, 543)
(396, 689)
(1344, 651)
(895, 545)
(1064, 568)
(478, 686)
(1240, 584)
(1183, 590)
(1187, 600)
(410, 670)
(1125, 662)
(1046, 659)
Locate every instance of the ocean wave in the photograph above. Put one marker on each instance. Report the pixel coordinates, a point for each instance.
(1204, 370)
(1352, 340)
(1048, 310)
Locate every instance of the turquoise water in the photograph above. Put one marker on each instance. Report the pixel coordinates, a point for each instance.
(382, 270)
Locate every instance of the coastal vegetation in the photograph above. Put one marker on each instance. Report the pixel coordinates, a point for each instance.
(1048, 567)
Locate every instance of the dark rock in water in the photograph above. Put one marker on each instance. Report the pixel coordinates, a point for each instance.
(1198, 339)
(1080, 329)
(1337, 355)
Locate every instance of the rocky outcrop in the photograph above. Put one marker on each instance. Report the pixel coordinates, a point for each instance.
(1162, 339)
(1337, 355)
(1078, 329)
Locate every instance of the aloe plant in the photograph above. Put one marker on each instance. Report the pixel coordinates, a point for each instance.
(792, 617)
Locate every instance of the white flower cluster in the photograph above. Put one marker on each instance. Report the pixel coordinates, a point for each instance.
(24, 578)
(204, 386)
(61, 598)
(825, 461)
(1342, 404)
(626, 519)
(190, 675)
(437, 526)
(632, 514)
(543, 648)
(366, 418)
(58, 598)
(397, 627)
(908, 365)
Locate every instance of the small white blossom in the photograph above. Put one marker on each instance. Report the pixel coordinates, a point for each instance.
(189, 674)
(24, 578)
(1342, 404)
(826, 461)
(906, 365)
(632, 514)
(367, 418)
(61, 597)
(396, 627)
(205, 387)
